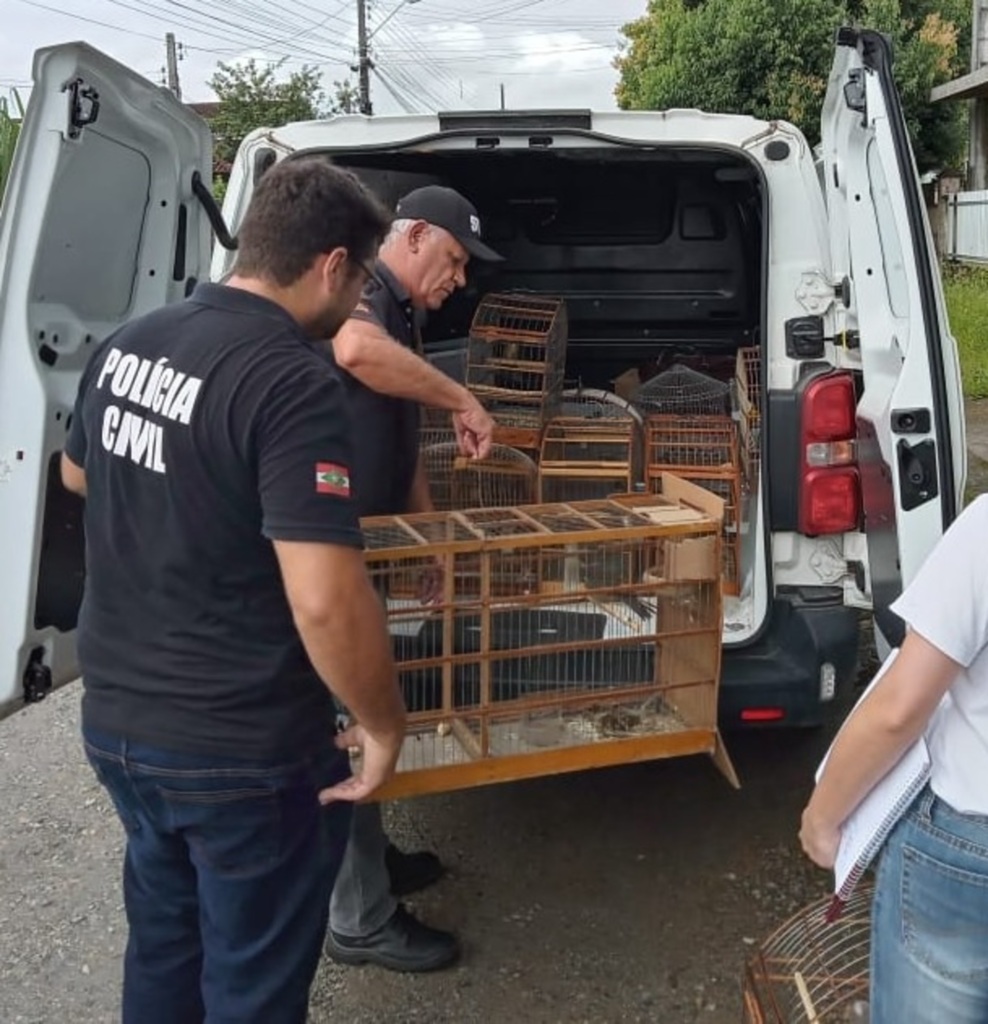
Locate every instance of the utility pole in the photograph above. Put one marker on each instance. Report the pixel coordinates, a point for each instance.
(364, 64)
(978, 158)
(171, 51)
(502, 95)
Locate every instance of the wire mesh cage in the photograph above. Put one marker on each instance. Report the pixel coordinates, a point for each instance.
(703, 450)
(593, 450)
(811, 970)
(557, 637)
(517, 358)
(748, 384)
(505, 477)
(597, 404)
(682, 391)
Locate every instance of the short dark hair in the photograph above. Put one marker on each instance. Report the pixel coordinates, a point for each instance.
(302, 208)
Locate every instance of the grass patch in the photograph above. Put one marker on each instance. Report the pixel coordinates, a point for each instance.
(966, 289)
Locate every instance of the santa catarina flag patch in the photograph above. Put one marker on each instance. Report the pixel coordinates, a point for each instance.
(332, 479)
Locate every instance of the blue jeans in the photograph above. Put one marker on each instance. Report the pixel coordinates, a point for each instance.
(228, 872)
(930, 919)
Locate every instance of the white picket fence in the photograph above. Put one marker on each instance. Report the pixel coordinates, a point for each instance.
(966, 228)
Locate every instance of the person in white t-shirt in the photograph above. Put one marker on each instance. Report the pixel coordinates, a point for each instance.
(929, 962)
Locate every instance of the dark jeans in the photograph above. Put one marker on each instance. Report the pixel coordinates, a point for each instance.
(228, 872)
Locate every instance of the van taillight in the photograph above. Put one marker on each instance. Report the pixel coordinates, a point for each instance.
(830, 490)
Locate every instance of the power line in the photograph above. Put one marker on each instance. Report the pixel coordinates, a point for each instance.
(91, 21)
(404, 34)
(542, 71)
(242, 38)
(486, 57)
(403, 37)
(276, 20)
(393, 91)
(416, 88)
(246, 37)
(499, 12)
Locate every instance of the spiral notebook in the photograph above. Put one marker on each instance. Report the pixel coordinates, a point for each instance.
(867, 828)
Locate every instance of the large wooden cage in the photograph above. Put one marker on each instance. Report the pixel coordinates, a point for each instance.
(564, 636)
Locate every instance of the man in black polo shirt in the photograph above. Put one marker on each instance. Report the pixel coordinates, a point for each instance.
(225, 592)
(422, 262)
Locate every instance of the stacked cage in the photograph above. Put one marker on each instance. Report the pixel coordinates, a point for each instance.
(748, 382)
(704, 450)
(550, 638)
(516, 363)
(813, 970)
(593, 449)
(689, 431)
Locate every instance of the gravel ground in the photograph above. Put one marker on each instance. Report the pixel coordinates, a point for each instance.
(629, 894)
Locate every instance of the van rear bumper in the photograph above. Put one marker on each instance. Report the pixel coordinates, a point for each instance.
(780, 672)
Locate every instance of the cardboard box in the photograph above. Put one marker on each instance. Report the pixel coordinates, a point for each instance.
(627, 384)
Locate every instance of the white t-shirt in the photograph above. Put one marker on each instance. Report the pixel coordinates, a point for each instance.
(947, 605)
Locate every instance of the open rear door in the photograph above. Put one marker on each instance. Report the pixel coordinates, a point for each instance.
(910, 415)
(99, 224)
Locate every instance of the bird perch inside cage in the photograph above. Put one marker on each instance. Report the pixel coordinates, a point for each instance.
(565, 636)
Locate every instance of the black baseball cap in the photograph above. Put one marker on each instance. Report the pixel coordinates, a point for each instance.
(446, 208)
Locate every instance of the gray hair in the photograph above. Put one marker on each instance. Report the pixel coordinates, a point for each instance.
(400, 226)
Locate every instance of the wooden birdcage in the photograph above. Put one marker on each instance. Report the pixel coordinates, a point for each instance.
(748, 382)
(593, 450)
(562, 637)
(811, 970)
(505, 477)
(516, 362)
(704, 450)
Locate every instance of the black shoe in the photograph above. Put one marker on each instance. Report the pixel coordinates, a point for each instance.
(410, 872)
(403, 944)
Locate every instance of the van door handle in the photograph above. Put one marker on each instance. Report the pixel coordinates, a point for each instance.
(917, 473)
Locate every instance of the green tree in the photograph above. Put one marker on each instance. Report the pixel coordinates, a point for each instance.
(346, 98)
(771, 59)
(932, 44)
(11, 115)
(251, 96)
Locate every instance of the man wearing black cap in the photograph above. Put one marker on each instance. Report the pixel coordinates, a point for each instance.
(422, 262)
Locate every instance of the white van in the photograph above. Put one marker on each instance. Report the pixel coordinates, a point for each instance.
(670, 235)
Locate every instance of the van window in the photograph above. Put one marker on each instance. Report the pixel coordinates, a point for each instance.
(92, 233)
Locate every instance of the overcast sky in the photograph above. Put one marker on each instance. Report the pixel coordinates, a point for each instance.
(430, 53)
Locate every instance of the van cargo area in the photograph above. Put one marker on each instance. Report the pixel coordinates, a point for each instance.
(660, 253)
(658, 256)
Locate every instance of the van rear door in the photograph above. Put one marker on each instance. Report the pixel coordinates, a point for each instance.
(910, 413)
(99, 224)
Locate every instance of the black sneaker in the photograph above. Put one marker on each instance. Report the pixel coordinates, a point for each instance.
(403, 944)
(410, 872)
